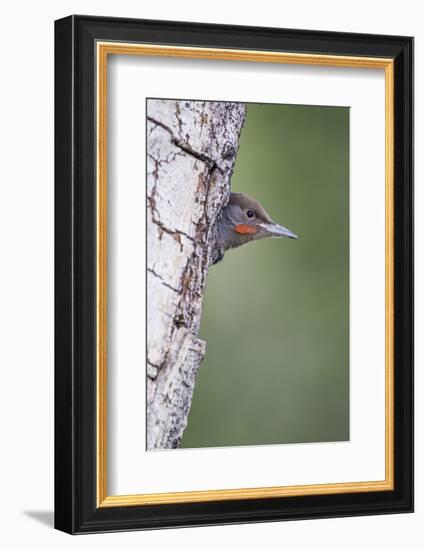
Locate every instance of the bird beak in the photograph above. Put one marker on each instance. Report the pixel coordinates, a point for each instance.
(276, 230)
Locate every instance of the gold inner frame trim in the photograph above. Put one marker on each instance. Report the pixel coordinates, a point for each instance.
(103, 50)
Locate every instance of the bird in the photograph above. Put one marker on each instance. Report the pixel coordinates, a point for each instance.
(241, 221)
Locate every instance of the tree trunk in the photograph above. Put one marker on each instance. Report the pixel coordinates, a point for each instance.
(191, 150)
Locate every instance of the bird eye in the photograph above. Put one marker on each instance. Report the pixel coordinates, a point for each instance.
(250, 213)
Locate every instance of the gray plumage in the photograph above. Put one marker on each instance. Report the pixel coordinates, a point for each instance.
(241, 221)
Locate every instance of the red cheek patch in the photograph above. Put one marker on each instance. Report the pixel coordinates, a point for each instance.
(245, 229)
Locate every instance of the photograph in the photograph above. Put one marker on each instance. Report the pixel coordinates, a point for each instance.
(208, 282)
(234, 269)
(247, 273)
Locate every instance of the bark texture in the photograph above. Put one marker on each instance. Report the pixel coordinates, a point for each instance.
(191, 150)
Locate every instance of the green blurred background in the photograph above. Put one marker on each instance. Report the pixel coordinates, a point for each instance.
(276, 312)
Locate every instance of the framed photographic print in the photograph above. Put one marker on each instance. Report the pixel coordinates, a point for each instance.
(234, 274)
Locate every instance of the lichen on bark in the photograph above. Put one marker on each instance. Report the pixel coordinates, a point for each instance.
(191, 151)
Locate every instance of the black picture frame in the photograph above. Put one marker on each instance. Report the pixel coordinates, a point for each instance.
(76, 508)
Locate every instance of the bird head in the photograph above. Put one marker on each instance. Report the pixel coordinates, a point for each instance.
(244, 220)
